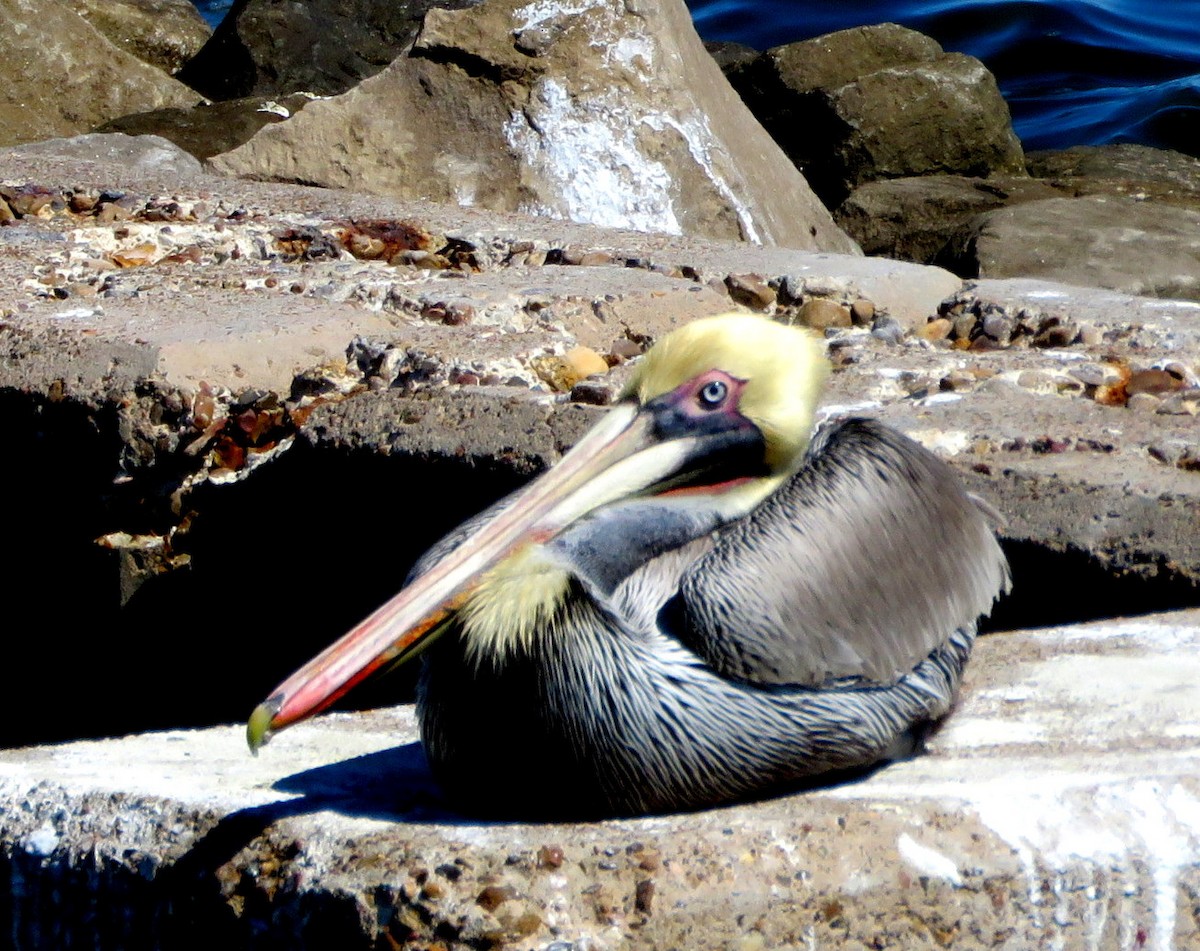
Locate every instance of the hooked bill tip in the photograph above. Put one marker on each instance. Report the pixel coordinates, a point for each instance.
(258, 727)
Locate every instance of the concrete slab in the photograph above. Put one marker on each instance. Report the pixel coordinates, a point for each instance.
(1059, 807)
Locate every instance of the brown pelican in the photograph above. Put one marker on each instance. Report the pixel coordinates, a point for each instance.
(696, 605)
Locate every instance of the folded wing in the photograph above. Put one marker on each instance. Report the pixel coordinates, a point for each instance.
(861, 564)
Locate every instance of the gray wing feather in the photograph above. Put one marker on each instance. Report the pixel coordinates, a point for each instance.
(860, 565)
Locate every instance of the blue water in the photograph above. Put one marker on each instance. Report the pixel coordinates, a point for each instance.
(1074, 72)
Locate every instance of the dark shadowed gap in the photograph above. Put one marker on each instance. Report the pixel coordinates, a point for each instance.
(1067, 587)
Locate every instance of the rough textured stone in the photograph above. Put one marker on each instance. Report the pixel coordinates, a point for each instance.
(1161, 173)
(243, 366)
(1122, 244)
(147, 153)
(913, 218)
(274, 48)
(596, 114)
(59, 76)
(208, 129)
(163, 33)
(878, 102)
(1059, 803)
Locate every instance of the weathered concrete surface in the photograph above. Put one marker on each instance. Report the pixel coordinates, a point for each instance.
(210, 397)
(1058, 807)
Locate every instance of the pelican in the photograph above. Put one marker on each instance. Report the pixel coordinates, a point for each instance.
(702, 602)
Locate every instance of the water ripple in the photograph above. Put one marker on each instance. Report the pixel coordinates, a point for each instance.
(1075, 72)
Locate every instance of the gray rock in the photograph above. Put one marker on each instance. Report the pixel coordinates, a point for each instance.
(1145, 248)
(1161, 172)
(913, 218)
(1058, 801)
(59, 76)
(147, 153)
(324, 47)
(163, 33)
(598, 114)
(878, 102)
(208, 129)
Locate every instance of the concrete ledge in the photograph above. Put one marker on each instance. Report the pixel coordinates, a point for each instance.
(1058, 807)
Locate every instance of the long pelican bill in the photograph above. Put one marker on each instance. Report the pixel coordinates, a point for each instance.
(621, 456)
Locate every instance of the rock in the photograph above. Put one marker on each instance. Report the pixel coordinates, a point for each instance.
(207, 129)
(611, 117)
(163, 33)
(821, 314)
(271, 48)
(751, 290)
(862, 312)
(875, 103)
(1060, 795)
(1156, 174)
(936, 329)
(564, 372)
(727, 55)
(125, 410)
(1144, 248)
(60, 77)
(912, 218)
(147, 153)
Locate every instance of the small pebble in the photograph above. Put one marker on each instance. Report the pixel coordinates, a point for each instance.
(887, 329)
(1153, 381)
(937, 329)
(1143, 403)
(753, 291)
(862, 312)
(822, 314)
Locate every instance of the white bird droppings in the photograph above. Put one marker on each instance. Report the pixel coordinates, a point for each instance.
(927, 861)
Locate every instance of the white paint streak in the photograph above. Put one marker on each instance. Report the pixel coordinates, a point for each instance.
(928, 862)
(591, 146)
(697, 133)
(589, 150)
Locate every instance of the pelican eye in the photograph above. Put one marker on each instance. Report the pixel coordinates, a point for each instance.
(713, 394)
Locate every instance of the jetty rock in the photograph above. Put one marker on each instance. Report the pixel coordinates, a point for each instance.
(1059, 805)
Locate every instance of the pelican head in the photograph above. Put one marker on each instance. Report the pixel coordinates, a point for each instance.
(722, 407)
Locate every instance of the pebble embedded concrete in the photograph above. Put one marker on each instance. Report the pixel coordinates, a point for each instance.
(1059, 806)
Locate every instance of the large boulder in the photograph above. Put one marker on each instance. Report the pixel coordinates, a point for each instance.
(1146, 248)
(878, 102)
(1124, 169)
(163, 33)
(911, 219)
(276, 47)
(609, 112)
(137, 153)
(59, 76)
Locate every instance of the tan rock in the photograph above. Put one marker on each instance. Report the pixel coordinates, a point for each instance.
(612, 114)
(820, 314)
(937, 329)
(562, 373)
(59, 76)
(862, 312)
(163, 33)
